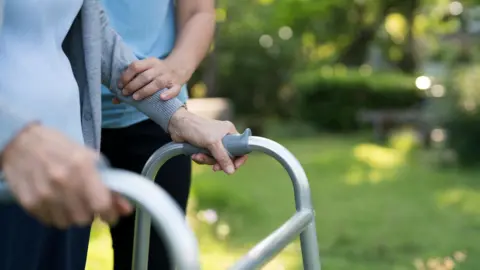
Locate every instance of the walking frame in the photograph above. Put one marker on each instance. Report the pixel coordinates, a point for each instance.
(155, 207)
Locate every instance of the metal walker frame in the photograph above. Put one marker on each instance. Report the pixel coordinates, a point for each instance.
(301, 223)
(155, 206)
(167, 220)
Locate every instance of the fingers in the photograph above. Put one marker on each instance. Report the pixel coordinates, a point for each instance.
(122, 205)
(98, 196)
(231, 128)
(26, 196)
(148, 83)
(140, 81)
(221, 156)
(171, 92)
(133, 69)
(203, 159)
(230, 166)
(237, 162)
(148, 90)
(59, 215)
(240, 161)
(144, 78)
(75, 208)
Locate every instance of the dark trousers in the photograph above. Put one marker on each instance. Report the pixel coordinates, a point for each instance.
(129, 148)
(28, 245)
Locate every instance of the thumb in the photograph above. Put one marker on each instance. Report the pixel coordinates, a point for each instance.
(171, 92)
(220, 154)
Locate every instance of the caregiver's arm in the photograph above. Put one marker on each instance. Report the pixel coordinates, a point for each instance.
(181, 124)
(196, 27)
(116, 57)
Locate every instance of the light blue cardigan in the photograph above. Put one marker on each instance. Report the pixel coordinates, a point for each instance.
(97, 56)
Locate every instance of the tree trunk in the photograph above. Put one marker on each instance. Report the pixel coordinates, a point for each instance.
(357, 52)
(409, 62)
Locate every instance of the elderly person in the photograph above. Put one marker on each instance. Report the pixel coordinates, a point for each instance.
(54, 55)
(180, 35)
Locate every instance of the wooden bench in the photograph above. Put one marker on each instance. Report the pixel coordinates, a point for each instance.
(383, 121)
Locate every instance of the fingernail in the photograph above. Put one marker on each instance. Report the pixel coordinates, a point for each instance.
(135, 96)
(230, 169)
(164, 96)
(124, 92)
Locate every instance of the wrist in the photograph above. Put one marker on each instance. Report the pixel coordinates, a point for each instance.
(19, 139)
(182, 68)
(177, 120)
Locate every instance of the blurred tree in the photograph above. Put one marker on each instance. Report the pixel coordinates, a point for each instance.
(260, 44)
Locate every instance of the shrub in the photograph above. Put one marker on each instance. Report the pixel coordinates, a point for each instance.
(458, 113)
(332, 102)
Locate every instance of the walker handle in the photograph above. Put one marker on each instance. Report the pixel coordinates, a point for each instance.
(235, 144)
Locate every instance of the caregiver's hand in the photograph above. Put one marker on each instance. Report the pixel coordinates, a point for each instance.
(56, 180)
(144, 78)
(205, 133)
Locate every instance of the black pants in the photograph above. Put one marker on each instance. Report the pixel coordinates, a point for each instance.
(25, 244)
(129, 148)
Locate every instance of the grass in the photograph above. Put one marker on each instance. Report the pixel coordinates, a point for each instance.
(377, 208)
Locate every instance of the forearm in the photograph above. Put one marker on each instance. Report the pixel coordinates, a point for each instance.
(195, 34)
(116, 57)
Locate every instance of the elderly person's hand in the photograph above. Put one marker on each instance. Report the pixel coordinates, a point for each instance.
(56, 179)
(144, 78)
(205, 133)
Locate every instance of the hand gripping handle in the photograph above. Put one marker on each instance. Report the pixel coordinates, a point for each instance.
(168, 219)
(235, 144)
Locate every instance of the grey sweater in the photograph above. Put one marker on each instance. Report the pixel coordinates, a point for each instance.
(97, 56)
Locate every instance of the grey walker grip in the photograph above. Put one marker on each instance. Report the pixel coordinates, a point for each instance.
(235, 144)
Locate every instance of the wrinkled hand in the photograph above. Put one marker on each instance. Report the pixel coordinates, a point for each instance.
(143, 78)
(205, 133)
(56, 180)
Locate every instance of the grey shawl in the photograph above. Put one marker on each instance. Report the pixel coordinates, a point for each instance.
(98, 56)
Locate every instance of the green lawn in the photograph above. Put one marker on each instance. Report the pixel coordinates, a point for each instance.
(377, 208)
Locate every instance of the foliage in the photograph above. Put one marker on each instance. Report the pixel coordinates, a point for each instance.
(261, 45)
(375, 209)
(458, 113)
(333, 102)
(252, 76)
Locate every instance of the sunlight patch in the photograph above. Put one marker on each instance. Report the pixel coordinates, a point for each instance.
(374, 164)
(467, 200)
(378, 157)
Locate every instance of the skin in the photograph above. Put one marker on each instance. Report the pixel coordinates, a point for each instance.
(196, 27)
(61, 186)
